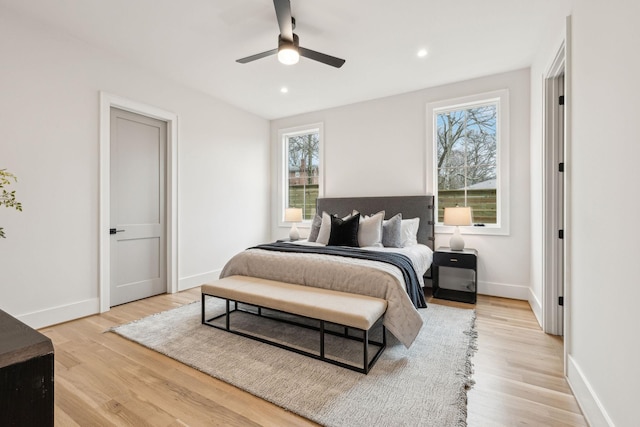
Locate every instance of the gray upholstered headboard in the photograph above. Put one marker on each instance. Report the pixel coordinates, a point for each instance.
(409, 206)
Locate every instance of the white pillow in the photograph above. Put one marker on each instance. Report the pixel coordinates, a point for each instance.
(409, 231)
(370, 230)
(325, 229)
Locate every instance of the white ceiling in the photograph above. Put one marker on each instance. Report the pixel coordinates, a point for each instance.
(196, 43)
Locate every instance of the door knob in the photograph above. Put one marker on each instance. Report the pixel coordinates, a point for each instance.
(114, 231)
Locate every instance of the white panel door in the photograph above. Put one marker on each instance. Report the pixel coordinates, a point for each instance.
(137, 218)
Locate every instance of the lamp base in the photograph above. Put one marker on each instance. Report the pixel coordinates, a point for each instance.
(456, 243)
(294, 234)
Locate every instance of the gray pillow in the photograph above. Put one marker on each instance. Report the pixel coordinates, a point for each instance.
(392, 232)
(315, 228)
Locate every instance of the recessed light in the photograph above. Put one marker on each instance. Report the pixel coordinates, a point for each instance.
(284, 90)
(422, 53)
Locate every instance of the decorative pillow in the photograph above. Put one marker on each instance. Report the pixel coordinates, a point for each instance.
(409, 230)
(315, 228)
(392, 232)
(370, 230)
(344, 232)
(325, 229)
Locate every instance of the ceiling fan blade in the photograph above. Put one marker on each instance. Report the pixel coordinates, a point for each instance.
(283, 13)
(321, 57)
(257, 56)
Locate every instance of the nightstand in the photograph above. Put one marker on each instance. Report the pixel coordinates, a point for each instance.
(466, 289)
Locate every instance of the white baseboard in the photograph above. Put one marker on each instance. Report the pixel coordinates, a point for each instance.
(590, 405)
(498, 290)
(504, 290)
(198, 279)
(536, 307)
(67, 312)
(60, 314)
(64, 313)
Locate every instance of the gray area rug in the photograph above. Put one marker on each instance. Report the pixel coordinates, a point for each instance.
(425, 385)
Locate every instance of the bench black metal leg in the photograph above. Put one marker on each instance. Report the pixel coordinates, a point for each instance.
(322, 339)
(365, 341)
(203, 308)
(227, 318)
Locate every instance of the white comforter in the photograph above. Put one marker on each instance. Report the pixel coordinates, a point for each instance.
(373, 278)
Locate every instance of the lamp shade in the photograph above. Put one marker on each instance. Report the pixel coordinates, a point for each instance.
(293, 215)
(457, 216)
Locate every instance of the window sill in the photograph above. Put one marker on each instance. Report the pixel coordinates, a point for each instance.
(486, 230)
(303, 225)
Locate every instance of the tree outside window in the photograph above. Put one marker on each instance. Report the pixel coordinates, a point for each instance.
(302, 176)
(467, 160)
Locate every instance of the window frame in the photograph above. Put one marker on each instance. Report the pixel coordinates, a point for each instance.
(501, 98)
(283, 167)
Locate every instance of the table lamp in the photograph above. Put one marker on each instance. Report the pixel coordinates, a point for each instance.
(293, 215)
(458, 216)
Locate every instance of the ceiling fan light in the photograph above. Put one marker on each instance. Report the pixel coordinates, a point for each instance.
(288, 50)
(288, 55)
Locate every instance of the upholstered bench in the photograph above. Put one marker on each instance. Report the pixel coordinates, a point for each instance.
(359, 312)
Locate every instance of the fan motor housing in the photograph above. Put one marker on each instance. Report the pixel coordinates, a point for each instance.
(283, 43)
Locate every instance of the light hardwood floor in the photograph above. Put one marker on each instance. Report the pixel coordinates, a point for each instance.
(103, 379)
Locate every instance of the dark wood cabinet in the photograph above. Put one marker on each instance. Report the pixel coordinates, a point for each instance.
(26, 375)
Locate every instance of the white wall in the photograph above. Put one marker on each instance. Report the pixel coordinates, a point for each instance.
(378, 148)
(49, 119)
(603, 234)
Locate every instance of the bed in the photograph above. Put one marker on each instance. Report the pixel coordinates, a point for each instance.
(366, 271)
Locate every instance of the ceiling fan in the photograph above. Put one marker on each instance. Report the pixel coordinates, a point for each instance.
(289, 50)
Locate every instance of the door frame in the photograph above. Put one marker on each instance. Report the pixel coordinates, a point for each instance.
(552, 199)
(107, 101)
(551, 316)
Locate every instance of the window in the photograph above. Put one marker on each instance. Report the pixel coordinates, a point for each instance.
(466, 159)
(301, 173)
(470, 159)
